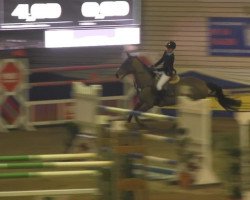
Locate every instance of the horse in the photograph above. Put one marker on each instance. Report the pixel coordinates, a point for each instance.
(145, 81)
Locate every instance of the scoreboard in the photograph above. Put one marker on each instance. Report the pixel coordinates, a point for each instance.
(51, 14)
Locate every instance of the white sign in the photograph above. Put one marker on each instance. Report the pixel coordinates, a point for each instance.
(105, 9)
(37, 11)
(92, 37)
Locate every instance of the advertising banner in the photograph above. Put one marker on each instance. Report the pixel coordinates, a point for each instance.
(13, 90)
(229, 36)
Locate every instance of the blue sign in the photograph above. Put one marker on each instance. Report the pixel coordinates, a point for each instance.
(229, 36)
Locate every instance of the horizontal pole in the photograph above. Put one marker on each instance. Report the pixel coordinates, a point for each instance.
(48, 157)
(137, 113)
(154, 159)
(46, 174)
(69, 82)
(55, 164)
(74, 68)
(93, 191)
(155, 169)
(159, 138)
(54, 102)
(161, 160)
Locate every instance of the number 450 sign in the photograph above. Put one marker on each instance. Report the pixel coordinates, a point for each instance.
(38, 11)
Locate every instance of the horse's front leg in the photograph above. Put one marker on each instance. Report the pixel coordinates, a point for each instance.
(137, 106)
(143, 108)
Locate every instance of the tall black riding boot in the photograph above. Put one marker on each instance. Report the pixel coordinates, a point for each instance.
(160, 96)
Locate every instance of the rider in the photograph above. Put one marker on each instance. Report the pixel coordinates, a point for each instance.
(168, 67)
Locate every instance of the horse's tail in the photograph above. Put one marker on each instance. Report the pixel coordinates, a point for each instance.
(226, 102)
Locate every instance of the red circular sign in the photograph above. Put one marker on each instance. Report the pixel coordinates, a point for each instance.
(10, 76)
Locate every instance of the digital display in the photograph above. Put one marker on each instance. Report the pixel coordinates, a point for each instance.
(47, 14)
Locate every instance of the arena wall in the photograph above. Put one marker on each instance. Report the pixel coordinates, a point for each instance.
(187, 22)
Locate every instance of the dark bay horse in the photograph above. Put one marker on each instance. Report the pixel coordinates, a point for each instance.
(188, 86)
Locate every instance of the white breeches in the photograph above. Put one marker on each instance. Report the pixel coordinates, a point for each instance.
(163, 79)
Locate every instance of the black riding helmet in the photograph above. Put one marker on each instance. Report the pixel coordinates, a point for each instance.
(171, 45)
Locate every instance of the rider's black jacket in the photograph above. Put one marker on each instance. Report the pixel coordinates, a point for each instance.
(168, 63)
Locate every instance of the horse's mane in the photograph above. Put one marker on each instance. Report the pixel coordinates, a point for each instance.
(146, 67)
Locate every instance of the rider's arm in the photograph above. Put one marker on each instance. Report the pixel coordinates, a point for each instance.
(170, 65)
(160, 61)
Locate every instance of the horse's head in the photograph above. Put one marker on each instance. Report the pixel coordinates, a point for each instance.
(126, 67)
(143, 76)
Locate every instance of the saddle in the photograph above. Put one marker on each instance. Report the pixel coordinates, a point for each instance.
(174, 79)
(169, 88)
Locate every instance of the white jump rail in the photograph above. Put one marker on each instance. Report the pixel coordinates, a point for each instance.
(92, 191)
(143, 114)
(48, 157)
(37, 161)
(55, 164)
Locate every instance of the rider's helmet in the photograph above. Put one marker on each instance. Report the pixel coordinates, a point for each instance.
(171, 45)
